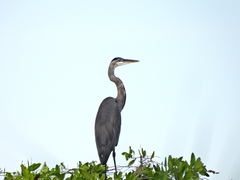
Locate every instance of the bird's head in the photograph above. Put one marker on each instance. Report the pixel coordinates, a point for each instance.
(118, 61)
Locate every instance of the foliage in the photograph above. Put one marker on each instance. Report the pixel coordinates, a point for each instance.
(146, 168)
(170, 169)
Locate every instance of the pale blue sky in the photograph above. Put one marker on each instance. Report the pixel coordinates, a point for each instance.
(182, 97)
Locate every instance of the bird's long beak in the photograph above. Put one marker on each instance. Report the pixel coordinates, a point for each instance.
(126, 61)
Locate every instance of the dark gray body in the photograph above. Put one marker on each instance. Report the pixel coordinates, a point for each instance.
(108, 119)
(107, 128)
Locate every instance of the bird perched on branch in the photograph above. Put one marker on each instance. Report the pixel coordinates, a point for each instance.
(108, 120)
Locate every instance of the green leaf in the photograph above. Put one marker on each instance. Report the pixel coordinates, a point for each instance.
(156, 168)
(34, 166)
(63, 166)
(180, 159)
(118, 176)
(57, 169)
(25, 171)
(188, 175)
(131, 176)
(143, 153)
(165, 164)
(102, 177)
(131, 162)
(192, 161)
(181, 166)
(131, 151)
(128, 155)
(152, 156)
(8, 175)
(198, 165)
(44, 168)
(170, 165)
(85, 174)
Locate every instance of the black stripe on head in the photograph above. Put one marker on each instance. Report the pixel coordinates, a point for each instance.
(117, 58)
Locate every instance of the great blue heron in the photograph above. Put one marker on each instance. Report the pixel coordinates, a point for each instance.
(108, 120)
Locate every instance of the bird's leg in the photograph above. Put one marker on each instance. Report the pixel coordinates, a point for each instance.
(114, 160)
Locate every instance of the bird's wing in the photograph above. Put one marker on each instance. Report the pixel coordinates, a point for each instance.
(107, 128)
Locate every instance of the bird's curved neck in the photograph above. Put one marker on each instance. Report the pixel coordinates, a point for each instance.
(121, 96)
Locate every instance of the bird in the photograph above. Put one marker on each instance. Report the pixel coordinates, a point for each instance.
(108, 118)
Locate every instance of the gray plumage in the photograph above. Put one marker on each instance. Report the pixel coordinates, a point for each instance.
(108, 119)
